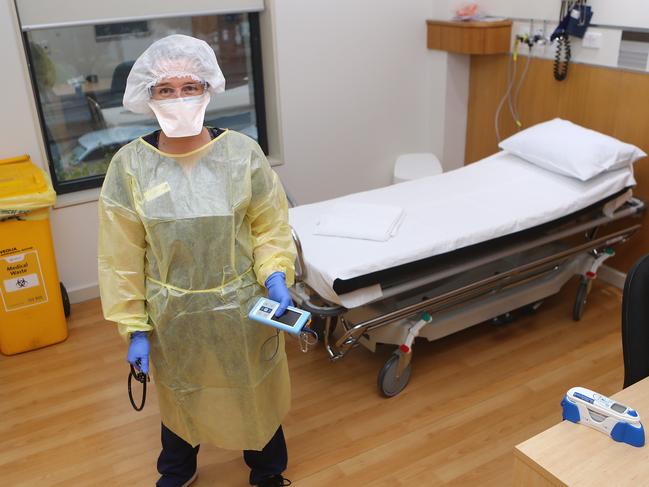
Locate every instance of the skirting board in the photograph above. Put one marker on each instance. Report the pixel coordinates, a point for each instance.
(85, 293)
(612, 276)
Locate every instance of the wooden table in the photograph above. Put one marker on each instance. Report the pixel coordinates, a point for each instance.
(574, 454)
(63, 89)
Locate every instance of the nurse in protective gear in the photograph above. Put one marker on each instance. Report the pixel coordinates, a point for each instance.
(193, 230)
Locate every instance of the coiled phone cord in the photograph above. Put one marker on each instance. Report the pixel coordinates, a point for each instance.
(562, 57)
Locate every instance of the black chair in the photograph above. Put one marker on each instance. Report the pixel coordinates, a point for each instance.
(120, 74)
(113, 97)
(635, 323)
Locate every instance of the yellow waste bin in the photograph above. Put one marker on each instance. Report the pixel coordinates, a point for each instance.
(31, 298)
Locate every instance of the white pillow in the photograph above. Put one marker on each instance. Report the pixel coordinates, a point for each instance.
(569, 149)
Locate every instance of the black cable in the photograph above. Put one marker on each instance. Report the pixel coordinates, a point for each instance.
(562, 57)
(140, 377)
(266, 342)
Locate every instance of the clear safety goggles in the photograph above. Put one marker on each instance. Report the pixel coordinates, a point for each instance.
(165, 92)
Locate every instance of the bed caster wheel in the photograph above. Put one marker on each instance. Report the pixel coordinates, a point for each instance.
(66, 300)
(389, 384)
(504, 319)
(581, 299)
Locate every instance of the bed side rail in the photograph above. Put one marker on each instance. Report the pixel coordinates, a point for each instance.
(448, 300)
(300, 268)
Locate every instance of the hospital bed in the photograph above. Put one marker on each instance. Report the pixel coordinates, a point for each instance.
(476, 243)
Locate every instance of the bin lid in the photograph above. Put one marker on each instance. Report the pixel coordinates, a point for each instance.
(23, 186)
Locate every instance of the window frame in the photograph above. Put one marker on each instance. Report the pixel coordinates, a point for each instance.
(91, 182)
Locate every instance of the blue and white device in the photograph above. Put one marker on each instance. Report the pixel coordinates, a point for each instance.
(292, 321)
(620, 422)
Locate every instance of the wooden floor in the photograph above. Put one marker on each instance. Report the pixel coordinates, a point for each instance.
(66, 420)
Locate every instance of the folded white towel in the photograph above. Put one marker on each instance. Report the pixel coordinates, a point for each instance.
(360, 221)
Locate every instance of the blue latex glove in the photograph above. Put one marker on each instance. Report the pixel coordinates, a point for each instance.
(277, 291)
(139, 350)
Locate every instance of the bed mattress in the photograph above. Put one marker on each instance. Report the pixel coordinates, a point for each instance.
(489, 199)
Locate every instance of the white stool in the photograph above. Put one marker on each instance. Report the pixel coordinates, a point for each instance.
(415, 166)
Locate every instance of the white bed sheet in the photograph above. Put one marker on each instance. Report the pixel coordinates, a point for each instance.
(496, 196)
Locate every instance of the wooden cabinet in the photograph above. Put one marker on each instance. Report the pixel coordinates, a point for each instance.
(470, 37)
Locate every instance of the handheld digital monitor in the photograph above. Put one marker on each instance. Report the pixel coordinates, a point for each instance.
(620, 422)
(292, 321)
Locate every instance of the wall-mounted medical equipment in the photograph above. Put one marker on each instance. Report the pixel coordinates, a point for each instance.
(620, 422)
(511, 93)
(513, 86)
(574, 19)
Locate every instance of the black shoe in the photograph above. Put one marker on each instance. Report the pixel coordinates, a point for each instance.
(166, 480)
(274, 481)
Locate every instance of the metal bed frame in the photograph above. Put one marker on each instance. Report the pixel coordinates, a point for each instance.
(486, 281)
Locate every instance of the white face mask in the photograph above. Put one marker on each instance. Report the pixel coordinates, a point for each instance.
(181, 117)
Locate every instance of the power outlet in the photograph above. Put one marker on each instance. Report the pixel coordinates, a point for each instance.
(592, 40)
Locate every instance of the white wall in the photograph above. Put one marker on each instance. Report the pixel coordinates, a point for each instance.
(449, 84)
(606, 55)
(352, 86)
(608, 17)
(609, 20)
(74, 228)
(355, 86)
(627, 13)
(354, 91)
(18, 123)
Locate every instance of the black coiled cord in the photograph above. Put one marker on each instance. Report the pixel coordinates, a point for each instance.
(562, 57)
(143, 379)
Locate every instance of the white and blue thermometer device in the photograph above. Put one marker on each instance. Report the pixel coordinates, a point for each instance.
(620, 422)
(292, 321)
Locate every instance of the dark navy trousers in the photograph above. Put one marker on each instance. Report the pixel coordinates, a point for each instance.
(177, 460)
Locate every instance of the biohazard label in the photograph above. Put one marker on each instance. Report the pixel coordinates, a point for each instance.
(22, 281)
(25, 282)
